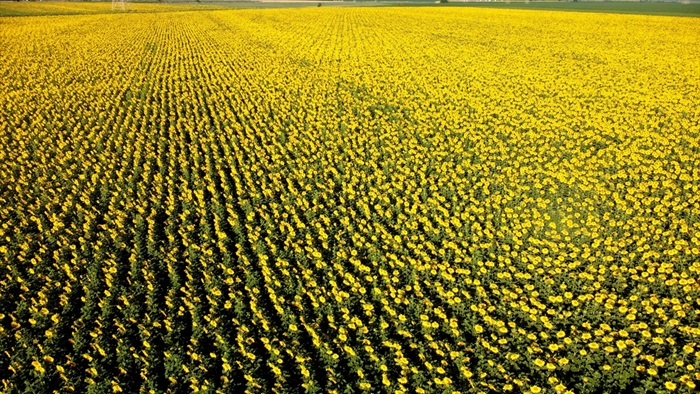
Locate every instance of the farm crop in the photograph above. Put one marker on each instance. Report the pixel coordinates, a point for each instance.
(16, 8)
(336, 200)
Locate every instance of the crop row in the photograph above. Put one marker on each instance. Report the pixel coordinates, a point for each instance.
(394, 200)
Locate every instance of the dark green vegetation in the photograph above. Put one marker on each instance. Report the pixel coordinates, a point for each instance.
(669, 9)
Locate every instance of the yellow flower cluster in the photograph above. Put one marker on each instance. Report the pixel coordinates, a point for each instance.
(382, 199)
(72, 8)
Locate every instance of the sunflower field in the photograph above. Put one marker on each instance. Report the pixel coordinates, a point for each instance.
(338, 200)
